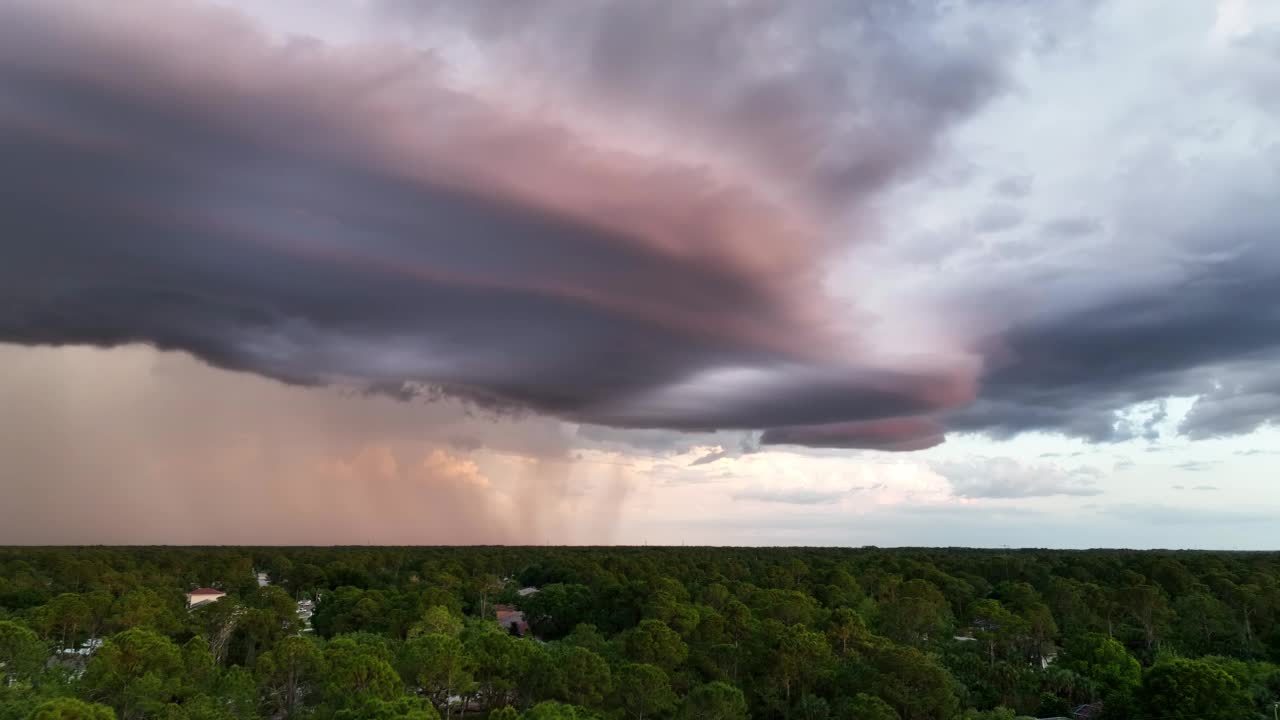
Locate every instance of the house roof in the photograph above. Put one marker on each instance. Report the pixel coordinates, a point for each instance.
(206, 591)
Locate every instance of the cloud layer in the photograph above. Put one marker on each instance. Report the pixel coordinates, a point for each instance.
(629, 214)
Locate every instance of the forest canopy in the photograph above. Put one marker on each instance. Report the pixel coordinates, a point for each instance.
(541, 633)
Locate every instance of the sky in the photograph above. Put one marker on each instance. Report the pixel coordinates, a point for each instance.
(962, 272)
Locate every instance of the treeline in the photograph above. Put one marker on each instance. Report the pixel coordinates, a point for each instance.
(639, 634)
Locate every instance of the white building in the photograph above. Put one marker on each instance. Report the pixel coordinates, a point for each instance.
(201, 596)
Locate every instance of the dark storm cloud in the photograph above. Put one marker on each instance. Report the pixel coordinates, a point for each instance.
(1207, 325)
(725, 70)
(898, 434)
(627, 220)
(322, 214)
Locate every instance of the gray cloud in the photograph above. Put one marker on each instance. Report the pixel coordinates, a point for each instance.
(1201, 318)
(643, 247)
(727, 70)
(983, 477)
(894, 435)
(1196, 465)
(710, 457)
(1014, 186)
(998, 218)
(322, 214)
(1244, 403)
(1069, 227)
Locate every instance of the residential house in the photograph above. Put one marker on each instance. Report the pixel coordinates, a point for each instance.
(203, 596)
(511, 619)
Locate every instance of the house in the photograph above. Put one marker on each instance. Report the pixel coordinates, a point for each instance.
(511, 619)
(203, 596)
(527, 591)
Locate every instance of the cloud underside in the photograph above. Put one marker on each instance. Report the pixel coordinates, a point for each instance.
(361, 215)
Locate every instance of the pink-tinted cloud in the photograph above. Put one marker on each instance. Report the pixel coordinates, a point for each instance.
(376, 214)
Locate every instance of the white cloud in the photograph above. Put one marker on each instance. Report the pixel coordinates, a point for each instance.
(1002, 477)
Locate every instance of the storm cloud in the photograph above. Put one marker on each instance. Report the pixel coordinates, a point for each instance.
(323, 214)
(619, 214)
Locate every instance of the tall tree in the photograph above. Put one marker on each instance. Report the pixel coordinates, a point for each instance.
(66, 708)
(653, 642)
(358, 671)
(438, 667)
(643, 691)
(288, 674)
(136, 672)
(21, 652)
(1191, 690)
(715, 701)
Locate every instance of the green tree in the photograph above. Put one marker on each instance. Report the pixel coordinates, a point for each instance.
(437, 620)
(71, 709)
(146, 608)
(913, 683)
(654, 643)
(136, 672)
(556, 608)
(555, 711)
(497, 662)
(803, 656)
(1204, 624)
(358, 671)
(914, 612)
(21, 652)
(288, 674)
(402, 708)
(868, 707)
(63, 618)
(438, 667)
(1104, 662)
(643, 691)
(585, 676)
(1191, 690)
(1148, 607)
(996, 627)
(1000, 713)
(269, 615)
(237, 693)
(715, 701)
(844, 627)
